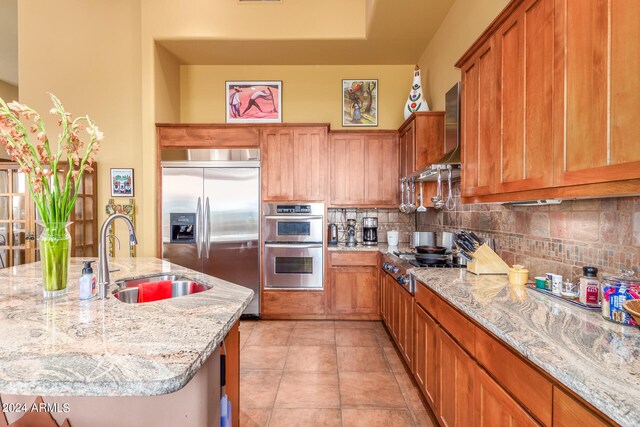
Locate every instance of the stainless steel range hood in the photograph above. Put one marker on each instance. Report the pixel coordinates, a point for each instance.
(451, 160)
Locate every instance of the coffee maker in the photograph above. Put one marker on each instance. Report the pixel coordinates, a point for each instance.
(370, 231)
(351, 232)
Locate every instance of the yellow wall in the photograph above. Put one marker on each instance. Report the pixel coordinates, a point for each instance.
(466, 20)
(87, 54)
(8, 92)
(311, 94)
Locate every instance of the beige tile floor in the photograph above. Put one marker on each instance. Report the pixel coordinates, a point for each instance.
(325, 373)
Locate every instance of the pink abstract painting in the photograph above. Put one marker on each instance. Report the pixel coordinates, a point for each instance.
(254, 102)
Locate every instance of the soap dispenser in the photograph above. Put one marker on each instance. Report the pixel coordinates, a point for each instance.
(87, 284)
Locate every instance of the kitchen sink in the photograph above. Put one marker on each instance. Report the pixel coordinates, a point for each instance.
(155, 288)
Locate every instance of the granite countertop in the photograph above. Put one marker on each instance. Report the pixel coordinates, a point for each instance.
(597, 359)
(69, 347)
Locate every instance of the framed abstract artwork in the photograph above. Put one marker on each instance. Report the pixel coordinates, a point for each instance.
(359, 102)
(253, 101)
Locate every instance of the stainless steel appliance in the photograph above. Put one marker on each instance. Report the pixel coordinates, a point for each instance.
(369, 231)
(210, 215)
(332, 235)
(451, 160)
(397, 268)
(410, 258)
(351, 233)
(422, 238)
(293, 250)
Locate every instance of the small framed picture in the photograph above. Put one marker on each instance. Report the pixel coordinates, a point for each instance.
(121, 182)
(359, 102)
(253, 101)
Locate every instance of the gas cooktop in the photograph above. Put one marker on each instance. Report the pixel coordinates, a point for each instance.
(410, 257)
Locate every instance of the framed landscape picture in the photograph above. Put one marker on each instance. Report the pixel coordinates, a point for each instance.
(121, 182)
(359, 102)
(253, 101)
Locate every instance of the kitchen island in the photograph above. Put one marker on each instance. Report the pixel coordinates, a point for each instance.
(67, 348)
(597, 360)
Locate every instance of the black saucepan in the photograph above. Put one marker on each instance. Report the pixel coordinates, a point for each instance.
(434, 250)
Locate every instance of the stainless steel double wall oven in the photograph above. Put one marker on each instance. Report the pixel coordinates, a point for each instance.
(293, 249)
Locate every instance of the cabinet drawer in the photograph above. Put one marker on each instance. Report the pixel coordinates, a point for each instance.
(353, 259)
(520, 379)
(426, 298)
(568, 412)
(461, 329)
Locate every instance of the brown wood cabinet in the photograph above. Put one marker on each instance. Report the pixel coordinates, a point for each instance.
(596, 78)
(404, 305)
(479, 127)
(425, 348)
(353, 282)
(421, 141)
(454, 397)
(493, 406)
(294, 163)
(397, 306)
(363, 169)
(548, 102)
(569, 412)
(524, 155)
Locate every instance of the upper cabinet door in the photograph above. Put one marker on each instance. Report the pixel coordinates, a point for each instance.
(294, 164)
(310, 163)
(525, 41)
(381, 170)
(480, 127)
(597, 104)
(408, 148)
(347, 159)
(277, 164)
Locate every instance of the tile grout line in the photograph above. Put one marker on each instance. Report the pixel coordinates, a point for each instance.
(273, 407)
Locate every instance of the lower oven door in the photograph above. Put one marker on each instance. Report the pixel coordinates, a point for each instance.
(293, 266)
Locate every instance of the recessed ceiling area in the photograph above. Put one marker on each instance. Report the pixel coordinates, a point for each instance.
(9, 41)
(397, 32)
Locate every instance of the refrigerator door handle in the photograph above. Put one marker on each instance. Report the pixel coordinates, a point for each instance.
(198, 227)
(206, 237)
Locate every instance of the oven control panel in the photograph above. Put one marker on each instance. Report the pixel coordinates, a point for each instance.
(293, 209)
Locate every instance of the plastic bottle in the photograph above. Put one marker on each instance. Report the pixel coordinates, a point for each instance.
(589, 286)
(87, 283)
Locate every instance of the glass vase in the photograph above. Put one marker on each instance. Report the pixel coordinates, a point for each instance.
(55, 254)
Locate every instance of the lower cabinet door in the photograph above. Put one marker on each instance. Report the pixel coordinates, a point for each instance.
(405, 340)
(455, 383)
(495, 407)
(354, 290)
(425, 353)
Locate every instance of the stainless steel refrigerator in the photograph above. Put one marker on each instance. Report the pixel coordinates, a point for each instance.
(210, 217)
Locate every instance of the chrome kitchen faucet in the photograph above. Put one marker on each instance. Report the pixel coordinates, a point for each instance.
(103, 263)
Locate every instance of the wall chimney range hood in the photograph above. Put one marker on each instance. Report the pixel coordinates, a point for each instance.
(451, 160)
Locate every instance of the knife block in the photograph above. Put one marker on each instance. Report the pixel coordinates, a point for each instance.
(486, 261)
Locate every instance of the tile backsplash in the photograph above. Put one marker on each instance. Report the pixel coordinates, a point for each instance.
(388, 219)
(560, 239)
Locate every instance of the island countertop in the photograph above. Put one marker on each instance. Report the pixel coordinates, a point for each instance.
(70, 347)
(597, 359)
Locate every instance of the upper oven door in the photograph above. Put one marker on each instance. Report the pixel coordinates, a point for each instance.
(293, 228)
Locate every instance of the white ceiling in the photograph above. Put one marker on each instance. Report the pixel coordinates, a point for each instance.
(9, 41)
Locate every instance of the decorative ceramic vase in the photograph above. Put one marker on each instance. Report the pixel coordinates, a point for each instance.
(415, 101)
(55, 254)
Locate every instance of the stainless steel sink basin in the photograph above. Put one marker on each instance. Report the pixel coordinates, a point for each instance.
(128, 289)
